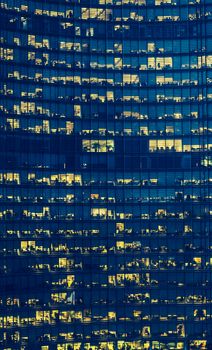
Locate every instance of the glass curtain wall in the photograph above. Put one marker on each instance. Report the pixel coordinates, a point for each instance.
(105, 174)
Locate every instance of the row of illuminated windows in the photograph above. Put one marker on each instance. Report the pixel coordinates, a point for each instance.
(131, 115)
(74, 316)
(109, 214)
(144, 281)
(171, 79)
(69, 198)
(102, 98)
(125, 15)
(38, 127)
(49, 317)
(98, 145)
(31, 108)
(146, 95)
(24, 6)
(132, 345)
(160, 232)
(116, 64)
(139, 62)
(154, 145)
(103, 214)
(176, 145)
(96, 198)
(48, 233)
(145, 130)
(67, 13)
(184, 256)
(143, 2)
(129, 298)
(120, 114)
(44, 126)
(153, 95)
(160, 129)
(71, 179)
(126, 80)
(121, 247)
(124, 280)
(37, 109)
(124, 46)
(98, 213)
(120, 229)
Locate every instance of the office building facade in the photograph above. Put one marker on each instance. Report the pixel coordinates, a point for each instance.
(105, 174)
